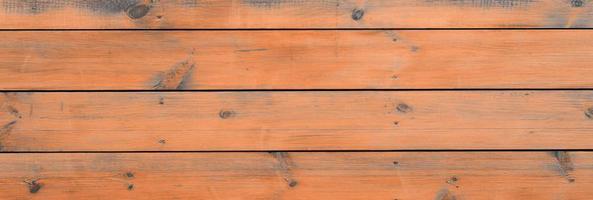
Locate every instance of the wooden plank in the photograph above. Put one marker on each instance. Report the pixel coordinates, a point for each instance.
(148, 60)
(197, 121)
(206, 14)
(412, 175)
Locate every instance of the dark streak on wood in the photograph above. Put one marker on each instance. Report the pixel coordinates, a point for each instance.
(484, 3)
(264, 3)
(7, 127)
(268, 4)
(13, 111)
(250, 50)
(30, 110)
(392, 35)
(565, 165)
(109, 6)
(98, 6)
(284, 167)
(176, 77)
(4, 131)
(445, 194)
(190, 3)
(589, 113)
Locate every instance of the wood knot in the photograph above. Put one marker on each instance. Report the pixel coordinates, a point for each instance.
(577, 3)
(138, 11)
(403, 108)
(225, 114)
(453, 180)
(162, 141)
(292, 183)
(129, 174)
(34, 186)
(357, 14)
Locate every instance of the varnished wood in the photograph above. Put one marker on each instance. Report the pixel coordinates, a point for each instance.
(186, 60)
(253, 14)
(347, 175)
(227, 121)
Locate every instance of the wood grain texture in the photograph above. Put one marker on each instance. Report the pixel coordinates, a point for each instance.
(221, 121)
(185, 60)
(220, 14)
(412, 175)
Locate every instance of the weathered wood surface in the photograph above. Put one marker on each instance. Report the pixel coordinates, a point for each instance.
(220, 14)
(149, 60)
(412, 175)
(213, 121)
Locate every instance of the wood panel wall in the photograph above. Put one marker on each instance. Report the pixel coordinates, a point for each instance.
(296, 99)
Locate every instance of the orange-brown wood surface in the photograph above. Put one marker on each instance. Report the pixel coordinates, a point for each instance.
(228, 121)
(306, 175)
(373, 59)
(296, 99)
(206, 14)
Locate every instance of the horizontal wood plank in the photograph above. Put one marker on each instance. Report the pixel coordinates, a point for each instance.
(197, 121)
(186, 60)
(278, 175)
(220, 14)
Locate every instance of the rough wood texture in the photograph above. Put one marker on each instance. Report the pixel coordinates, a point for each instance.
(296, 120)
(151, 60)
(413, 175)
(171, 14)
